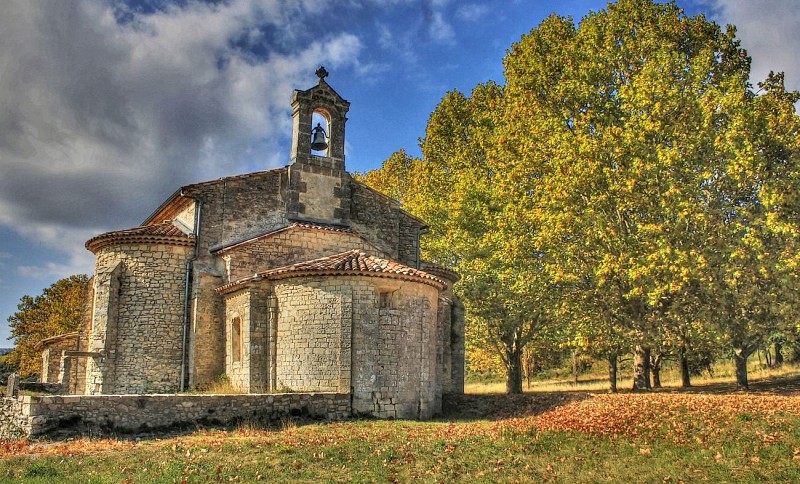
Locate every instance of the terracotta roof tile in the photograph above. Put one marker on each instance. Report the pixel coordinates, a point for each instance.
(161, 233)
(351, 262)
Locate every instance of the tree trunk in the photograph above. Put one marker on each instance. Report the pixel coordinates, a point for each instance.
(641, 375)
(530, 368)
(514, 369)
(575, 366)
(612, 373)
(778, 354)
(655, 367)
(686, 380)
(740, 358)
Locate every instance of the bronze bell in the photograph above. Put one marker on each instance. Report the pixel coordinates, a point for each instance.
(318, 136)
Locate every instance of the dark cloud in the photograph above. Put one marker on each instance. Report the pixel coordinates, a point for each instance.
(106, 109)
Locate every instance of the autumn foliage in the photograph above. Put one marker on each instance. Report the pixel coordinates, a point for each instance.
(56, 311)
(561, 437)
(627, 190)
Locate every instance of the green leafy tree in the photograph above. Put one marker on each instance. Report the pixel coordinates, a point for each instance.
(56, 311)
(755, 288)
(626, 188)
(452, 188)
(393, 177)
(620, 135)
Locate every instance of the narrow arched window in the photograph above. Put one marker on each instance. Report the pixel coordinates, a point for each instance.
(236, 340)
(320, 133)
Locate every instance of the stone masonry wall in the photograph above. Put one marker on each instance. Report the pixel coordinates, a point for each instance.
(318, 193)
(408, 242)
(249, 372)
(101, 333)
(186, 217)
(394, 349)
(313, 337)
(207, 339)
(376, 218)
(457, 370)
(63, 416)
(231, 209)
(51, 357)
(297, 244)
(237, 306)
(237, 208)
(147, 348)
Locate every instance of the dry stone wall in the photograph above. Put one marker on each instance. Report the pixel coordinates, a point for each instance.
(62, 416)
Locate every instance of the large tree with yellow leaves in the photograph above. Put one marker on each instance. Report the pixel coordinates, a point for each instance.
(626, 187)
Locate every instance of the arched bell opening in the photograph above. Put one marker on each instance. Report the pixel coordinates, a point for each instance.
(320, 133)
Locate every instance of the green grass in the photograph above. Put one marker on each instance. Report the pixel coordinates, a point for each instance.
(401, 451)
(540, 437)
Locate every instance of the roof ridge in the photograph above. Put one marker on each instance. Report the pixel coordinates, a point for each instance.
(162, 232)
(342, 263)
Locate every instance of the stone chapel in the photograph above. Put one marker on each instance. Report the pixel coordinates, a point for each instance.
(296, 279)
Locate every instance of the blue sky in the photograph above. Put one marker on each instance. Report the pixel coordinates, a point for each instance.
(108, 106)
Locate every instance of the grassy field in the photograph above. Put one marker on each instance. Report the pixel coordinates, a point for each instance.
(574, 436)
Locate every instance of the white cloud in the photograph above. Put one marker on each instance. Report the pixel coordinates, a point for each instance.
(472, 12)
(439, 29)
(769, 31)
(101, 119)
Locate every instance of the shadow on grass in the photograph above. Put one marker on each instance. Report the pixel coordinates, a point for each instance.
(496, 406)
(776, 385)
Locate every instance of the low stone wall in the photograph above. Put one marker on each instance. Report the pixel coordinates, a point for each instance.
(68, 415)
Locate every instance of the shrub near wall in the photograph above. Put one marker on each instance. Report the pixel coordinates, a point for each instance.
(62, 416)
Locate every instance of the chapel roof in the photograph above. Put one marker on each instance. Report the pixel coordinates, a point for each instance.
(348, 263)
(163, 233)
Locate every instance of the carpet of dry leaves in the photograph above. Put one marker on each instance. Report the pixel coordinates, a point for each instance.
(677, 418)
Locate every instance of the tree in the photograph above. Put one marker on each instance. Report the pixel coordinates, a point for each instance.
(393, 177)
(56, 311)
(626, 184)
(756, 268)
(452, 188)
(619, 138)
